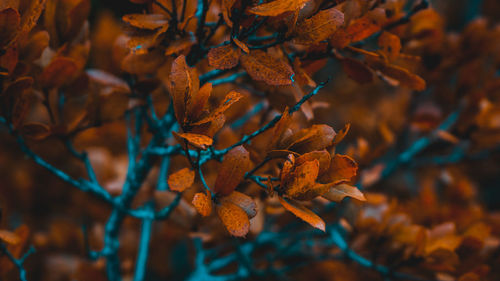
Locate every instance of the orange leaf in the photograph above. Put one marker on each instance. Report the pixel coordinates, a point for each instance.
(231, 98)
(263, 67)
(358, 30)
(184, 83)
(390, 44)
(319, 27)
(234, 219)
(338, 192)
(36, 130)
(200, 141)
(322, 156)
(405, 77)
(146, 21)
(298, 182)
(60, 71)
(303, 213)
(342, 169)
(234, 166)
(317, 137)
(197, 102)
(341, 134)
(9, 237)
(143, 63)
(181, 180)
(243, 201)
(202, 204)
(278, 7)
(280, 128)
(241, 45)
(224, 57)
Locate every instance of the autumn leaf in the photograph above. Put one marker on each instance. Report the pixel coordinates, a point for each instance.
(146, 21)
(358, 30)
(263, 67)
(9, 25)
(9, 237)
(278, 7)
(234, 218)
(301, 179)
(197, 102)
(229, 100)
(224, 57)
(339, 192)
(234, 166)
(197, 140)
(303, 213)
(181, 180)
(317, 137)
(390, 44)
(342, 169)
(357, 70)
(241, 45)
(184, 83)
(341, 134)
(319, 27)
(60, 71)
(202, 204)
(243, 201)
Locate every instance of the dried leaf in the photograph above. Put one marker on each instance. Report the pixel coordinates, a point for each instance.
(198, 101)
(9, 25)
(341, 134)
(319, 27)
(280, 128)
(358, 30)
(298, 182)
(184, 83)
(342, 169)
(36, 130)
(243, 201)
(278, 7)
(202, 204)
(234, 166)
(338, 192)
(357, 70)
(146, 21)
(9, 237)
(224, 57)
(390, 44)
(231, 98)
(143, 63)
(321, 155)
(263, 67)
(60, 71)
(241, 45)
(200, 141)
(303, 213)
(317, 137)
(234, 219)
(181, 180)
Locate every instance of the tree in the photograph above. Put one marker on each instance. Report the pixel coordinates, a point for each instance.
(209, 123)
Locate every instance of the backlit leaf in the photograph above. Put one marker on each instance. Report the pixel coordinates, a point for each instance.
(339, 192)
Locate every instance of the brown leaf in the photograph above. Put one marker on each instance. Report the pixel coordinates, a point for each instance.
(184, 83)
(278, 7)
(230, 98)
(200, 141)
(358, 30)
(198, 101)
(263, 67)
(60, 71)
(279, 129)
(341, 134)
(390, 44)
(202, 204)
(319, 27)
(234, 219)
(9, 237)
(36, 130)
(342, 169)
(243, 201)
(9, 25)
(298, 182)
(405, 77)
(317, 137)
(338, 192)
(146, 21)
(303, 213)
(34, 47)
(321, 155)
(357, 70)
(224, 57)
(234, 166)
(181, 180)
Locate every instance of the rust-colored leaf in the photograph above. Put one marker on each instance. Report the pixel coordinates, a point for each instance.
(146, 21)
(278, 7)
(36, 130)
(241, 45)
(301, 179)
(60, 71)
(230, 98)
(184, 83)
(234, 218)
(317, 137)
(303, 213)
(358, 30)
(390, 44)
(339, 192)
(202, 204)
(319, 27)
(342, 169)
(243, 201)
(181, 180)
(341, 134)
(198, 101)
(224, 57)
(263, 67)
(234, 166)
(197, 140)
(357, 70)
(321, 155)
(9, 25)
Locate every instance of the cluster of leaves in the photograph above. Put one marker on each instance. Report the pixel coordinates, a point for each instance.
(205, 113)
